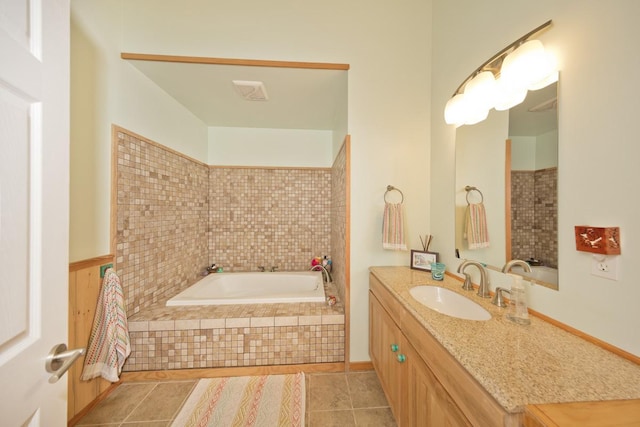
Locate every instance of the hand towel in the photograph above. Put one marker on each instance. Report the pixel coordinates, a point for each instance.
(109, 344)
(476, 231)
(393, 227)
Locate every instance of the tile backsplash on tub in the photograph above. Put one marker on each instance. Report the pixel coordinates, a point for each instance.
(176, 215)
(269, 217)
(162, 220)
(166, 346)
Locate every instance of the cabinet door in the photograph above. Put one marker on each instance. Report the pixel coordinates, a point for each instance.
(384, 348)
(426, 402)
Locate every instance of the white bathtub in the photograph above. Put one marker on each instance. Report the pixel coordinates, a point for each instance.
(253, 288)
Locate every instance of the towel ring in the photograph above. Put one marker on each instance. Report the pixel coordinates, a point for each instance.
(469, 189)
(391, 188)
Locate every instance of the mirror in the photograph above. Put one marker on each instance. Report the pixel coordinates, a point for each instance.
(512, 160)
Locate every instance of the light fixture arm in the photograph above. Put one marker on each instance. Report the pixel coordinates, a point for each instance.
(499, 56)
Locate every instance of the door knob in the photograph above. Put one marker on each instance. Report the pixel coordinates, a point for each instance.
(59, 360)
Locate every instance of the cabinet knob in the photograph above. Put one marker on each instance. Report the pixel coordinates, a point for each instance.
(394, 347)
(402, 358)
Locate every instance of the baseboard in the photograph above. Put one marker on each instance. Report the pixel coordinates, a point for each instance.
(181, 374)
(361, 366)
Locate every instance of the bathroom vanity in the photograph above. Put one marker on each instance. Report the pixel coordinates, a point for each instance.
(442, 370)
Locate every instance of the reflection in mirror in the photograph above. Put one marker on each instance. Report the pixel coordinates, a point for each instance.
(518, 183)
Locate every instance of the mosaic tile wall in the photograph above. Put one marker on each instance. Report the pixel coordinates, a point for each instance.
(236, 335)
(218, 347)
(339, 220)
(534, 219)
(546, 207)
(162, 221)
(269, 217)
(176, 215)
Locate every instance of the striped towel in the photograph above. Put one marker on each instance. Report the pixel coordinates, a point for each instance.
(476, 231)
(109, 341)
(393, 227)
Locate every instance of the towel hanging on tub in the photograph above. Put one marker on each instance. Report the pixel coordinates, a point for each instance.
(109, 344)
(393, 227)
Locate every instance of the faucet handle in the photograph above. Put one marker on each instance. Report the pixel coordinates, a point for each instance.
(261, 268)
(467, 286)
(498, 297)
(274, 268)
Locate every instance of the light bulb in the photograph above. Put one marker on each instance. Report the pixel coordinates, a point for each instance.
(480, 92)
(454, 110)
(527, 66)
(507, 96)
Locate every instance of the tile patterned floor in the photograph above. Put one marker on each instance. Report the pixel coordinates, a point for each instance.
(336, 399)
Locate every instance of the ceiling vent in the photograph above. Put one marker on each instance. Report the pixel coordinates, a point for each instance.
(250, 90)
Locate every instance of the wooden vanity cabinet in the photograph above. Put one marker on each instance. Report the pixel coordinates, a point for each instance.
(426, 402)
(424, 384)
(414, 394)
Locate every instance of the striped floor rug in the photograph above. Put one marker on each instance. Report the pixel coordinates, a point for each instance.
(260, 401)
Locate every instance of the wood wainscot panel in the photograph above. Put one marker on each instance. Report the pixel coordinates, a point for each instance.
(84, 288)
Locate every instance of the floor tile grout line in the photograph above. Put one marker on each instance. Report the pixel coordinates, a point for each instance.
(138, 405)
(353, 414)
(352, 409)
(175, 414)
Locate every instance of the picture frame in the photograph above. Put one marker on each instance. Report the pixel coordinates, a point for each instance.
(421, 260)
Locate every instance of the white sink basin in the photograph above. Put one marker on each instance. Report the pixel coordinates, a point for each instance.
(448, 302)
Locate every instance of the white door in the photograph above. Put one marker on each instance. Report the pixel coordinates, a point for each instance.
(34, 207)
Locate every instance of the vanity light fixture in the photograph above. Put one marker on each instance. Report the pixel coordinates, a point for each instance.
(503, 81)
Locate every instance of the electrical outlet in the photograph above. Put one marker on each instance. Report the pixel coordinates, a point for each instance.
(606, 267)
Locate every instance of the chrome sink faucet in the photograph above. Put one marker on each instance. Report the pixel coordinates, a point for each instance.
(326, 276)
(507, 267)
(483, 289)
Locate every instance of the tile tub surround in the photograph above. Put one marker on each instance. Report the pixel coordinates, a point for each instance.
(176, 215)
(339, 214)
(518, 365)
(534, 215)
(162, 220)
(236, 335)
(270, 217)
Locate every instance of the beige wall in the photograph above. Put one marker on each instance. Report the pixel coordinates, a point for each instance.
(106, 90)
(396, 101)
(270, 147)
(593, 41)
(386, 44)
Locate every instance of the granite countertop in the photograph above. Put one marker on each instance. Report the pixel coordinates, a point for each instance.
(518, 364)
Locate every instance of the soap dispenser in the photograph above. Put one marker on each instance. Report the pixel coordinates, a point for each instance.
(517, 311)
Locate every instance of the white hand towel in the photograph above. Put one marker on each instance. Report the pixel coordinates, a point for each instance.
(109, 344)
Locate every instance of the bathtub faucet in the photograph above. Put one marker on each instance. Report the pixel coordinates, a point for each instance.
(525, 266)
(326, 276)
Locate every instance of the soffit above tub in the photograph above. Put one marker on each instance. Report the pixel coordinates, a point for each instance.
(530, 118)
(299, 98)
